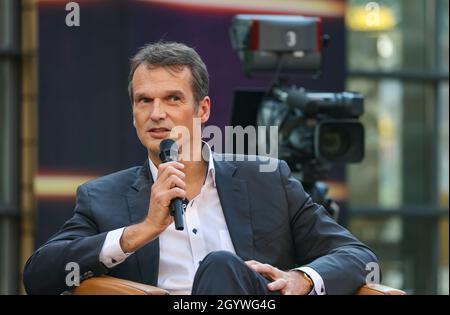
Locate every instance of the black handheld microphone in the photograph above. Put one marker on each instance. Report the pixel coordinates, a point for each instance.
(169, 152)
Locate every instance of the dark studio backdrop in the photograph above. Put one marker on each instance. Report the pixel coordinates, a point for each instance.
(85, 118)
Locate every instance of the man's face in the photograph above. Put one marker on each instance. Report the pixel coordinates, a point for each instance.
(163, 100)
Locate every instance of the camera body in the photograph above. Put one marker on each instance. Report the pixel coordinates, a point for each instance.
(265, 41)
(315, 128)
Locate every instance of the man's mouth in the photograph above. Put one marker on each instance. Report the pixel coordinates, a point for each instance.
(159, 132)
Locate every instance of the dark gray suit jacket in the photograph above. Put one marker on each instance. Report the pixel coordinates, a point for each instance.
(269, 216)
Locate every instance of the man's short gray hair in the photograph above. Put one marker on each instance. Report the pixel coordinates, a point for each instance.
(174, 56)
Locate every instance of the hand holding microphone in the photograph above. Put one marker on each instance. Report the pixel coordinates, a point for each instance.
(164, 208)
(168, 153)
(168, 187)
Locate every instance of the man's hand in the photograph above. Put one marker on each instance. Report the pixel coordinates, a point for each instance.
(289, 283)
(169, 185)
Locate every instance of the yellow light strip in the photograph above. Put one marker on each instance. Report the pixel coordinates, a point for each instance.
(360, 19)
(58, 186)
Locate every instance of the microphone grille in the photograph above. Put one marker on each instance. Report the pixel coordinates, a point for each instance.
(168, 150)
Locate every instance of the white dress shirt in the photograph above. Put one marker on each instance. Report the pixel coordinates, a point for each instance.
(182, 251)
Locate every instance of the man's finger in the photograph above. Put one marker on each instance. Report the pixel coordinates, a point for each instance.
(174, 181)
(277, 285)
(175, 164)
(266, 269)
(252, 262)
(169, 168)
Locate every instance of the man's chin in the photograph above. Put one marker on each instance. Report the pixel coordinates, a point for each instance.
(152, 145)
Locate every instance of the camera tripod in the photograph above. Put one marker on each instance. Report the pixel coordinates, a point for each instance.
(317, 189)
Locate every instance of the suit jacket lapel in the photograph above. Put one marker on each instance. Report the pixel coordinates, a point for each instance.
(138, 200)
(236, 207)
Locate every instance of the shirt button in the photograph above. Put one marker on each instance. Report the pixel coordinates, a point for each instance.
(194, 231)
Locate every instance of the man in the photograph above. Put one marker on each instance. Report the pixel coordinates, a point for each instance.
(246, 231)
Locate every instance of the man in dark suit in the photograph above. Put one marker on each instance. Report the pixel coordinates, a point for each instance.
(246, 231)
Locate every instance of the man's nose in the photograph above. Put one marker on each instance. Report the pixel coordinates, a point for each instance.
(157, 112)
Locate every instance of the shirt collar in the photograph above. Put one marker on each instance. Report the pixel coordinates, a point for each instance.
(210, 175)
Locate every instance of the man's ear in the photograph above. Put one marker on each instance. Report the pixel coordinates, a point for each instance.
(204, 109)
(132, 113)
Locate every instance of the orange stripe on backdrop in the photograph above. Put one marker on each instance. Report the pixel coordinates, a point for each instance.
(59, 186)
(64, 186)
(64, 2)
(323, 8)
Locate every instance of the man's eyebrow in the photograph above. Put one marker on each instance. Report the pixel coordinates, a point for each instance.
(178, 93)
(141, 95)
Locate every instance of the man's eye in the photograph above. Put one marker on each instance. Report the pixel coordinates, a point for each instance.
(174, 98)
(144, 100)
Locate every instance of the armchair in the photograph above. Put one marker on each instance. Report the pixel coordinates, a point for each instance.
(106, 285)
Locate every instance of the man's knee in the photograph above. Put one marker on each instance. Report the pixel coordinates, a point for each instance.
(222, 272)
(220, 259)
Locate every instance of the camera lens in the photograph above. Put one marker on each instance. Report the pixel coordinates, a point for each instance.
(340, 142)
(334, 143)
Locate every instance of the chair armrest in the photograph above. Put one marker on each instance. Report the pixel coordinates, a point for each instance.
(106, 285)
(378, 289)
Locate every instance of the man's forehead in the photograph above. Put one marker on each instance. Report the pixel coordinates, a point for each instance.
(148, 79)
(159, 73)
(151, 81)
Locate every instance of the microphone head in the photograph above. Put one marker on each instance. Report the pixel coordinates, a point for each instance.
(168, 151)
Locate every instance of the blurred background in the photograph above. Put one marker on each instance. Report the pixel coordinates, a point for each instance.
(65, 116)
